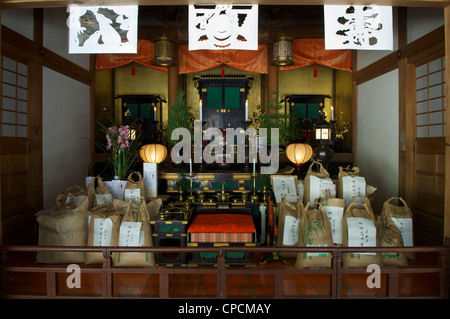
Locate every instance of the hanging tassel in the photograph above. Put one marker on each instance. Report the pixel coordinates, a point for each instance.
(315, 70)
(133, 70)
(223, 71)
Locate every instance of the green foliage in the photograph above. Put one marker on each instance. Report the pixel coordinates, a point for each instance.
(179, 117)
(182, 182)
(276, 119)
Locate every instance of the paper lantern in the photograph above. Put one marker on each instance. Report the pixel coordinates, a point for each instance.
(153, 153)
(299, 153)
(164, 52)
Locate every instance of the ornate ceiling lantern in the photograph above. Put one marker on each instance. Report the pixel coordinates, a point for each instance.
(282, 51)
(164, 51)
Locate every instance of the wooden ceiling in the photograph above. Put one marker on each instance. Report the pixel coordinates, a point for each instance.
(298, 19)
(4, 4)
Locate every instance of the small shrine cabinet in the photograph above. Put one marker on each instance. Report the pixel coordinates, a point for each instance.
(223, 100)
(143, 112)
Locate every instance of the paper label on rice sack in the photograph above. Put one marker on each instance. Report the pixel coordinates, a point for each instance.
(335, 215)
(88, 180)
(317, 254)
(103, 199)
(130, 234)
(283, 186)
(77, 200)
(361, 233)
(133, 193)
(290, 231)
(116, 188)
(406, 228)
(300, 190)
(321, 188)
(102, 231)
(353, 186)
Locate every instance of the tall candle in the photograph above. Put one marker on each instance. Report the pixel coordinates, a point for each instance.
(254, 165)
(190, 166)
(246, 110)
(200, 106)
(154, 113)
(332, 113)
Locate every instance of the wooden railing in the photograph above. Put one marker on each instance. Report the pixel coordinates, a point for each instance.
(222, 270)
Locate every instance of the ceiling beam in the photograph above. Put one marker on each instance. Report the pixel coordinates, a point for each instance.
(17, 4)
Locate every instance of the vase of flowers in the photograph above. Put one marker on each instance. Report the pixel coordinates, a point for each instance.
(123, 146)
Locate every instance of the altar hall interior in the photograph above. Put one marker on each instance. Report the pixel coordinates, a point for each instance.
(377, 114)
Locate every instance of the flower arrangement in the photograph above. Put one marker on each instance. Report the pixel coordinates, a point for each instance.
(124, 145)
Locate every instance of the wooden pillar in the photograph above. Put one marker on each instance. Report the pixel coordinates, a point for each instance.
(272, 76)
(407, 84)
(1, 220)
(173, 70)
(354, 129)
(447, 137)
(92, 110)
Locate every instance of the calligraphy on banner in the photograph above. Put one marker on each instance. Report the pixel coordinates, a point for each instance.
(223, 27)
(358, 27)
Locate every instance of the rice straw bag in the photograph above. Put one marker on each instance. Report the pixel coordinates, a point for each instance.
(335, 209)
(289, 213)
(401, 215)
(72, 196)
(104, 228)
(359, 230)
(98, 193)
(134, 188)
(153, 208)
(317, 185)
(63, 226)
(134, 231)
(390, 236)
(314, 231)
(350, 184)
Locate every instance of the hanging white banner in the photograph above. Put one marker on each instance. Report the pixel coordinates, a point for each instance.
(223, 27)
(358, 27)
(106, 29)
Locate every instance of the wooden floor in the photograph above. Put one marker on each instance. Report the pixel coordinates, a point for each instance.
(203, 285)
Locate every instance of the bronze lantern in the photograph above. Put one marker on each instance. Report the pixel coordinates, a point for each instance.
(164, 51)
(282, 51)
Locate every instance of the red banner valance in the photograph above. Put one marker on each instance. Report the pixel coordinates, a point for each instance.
(145, 56)
(312, 51)
(201, 60)
(305, 52)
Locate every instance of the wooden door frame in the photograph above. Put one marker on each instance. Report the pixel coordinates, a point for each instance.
(42, 57)
(26, 53)
(404, 59)
(447, 137)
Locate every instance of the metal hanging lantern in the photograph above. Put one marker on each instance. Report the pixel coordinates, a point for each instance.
(323, 152)
(164, 51)
(282, 51)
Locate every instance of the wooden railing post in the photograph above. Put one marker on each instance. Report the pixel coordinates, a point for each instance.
(51, 283)
(163, 285)
(337, 274)
(4, 276)
(392, 282)
(333, 279)
(444, 284)
(221, 276)
(278, 286)
(107, 275)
